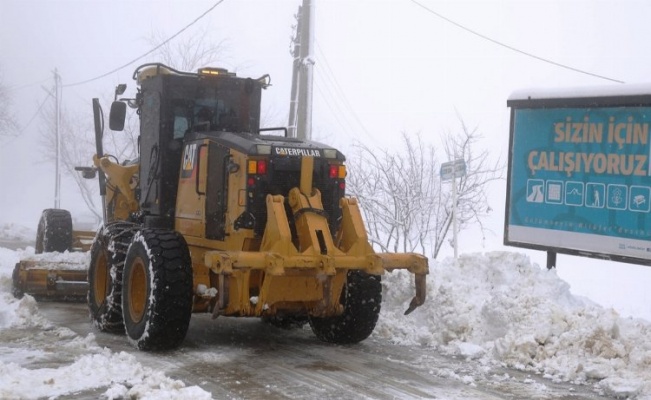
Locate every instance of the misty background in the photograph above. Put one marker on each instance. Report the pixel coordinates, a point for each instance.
(382, 68)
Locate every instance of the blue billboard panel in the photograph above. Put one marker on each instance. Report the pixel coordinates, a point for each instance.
(580, 181)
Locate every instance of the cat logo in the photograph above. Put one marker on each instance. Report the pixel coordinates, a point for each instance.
(189, 156)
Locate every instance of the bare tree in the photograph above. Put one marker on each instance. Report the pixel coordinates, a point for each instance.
(8, 124)
(404, 204)
(77, 130)
(394, 191)
(196, 51)
(472, 202)
(78, 146)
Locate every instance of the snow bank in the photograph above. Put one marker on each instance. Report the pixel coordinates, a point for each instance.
(126, 377)
(500, 308)
(92, 367)
(11, 231)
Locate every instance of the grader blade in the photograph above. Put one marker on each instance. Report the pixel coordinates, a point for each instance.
(51, 280)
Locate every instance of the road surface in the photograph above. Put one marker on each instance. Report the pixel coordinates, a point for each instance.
(248, 359)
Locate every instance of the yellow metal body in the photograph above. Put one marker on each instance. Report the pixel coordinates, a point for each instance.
(303, 275)
(54, 279)
(285, 274)
(120, 184)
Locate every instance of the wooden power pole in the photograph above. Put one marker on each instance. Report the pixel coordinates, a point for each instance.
(57, 132)
(300, 110)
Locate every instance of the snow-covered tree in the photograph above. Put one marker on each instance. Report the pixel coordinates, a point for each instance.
(8, 124)
(77, 140)
(195, 51)
(405, 205)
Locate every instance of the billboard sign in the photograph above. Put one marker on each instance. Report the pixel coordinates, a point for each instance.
(579, 179)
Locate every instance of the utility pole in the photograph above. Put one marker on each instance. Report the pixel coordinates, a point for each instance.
(57, 118)
(56, 95)
(450, 171)
(300, 110)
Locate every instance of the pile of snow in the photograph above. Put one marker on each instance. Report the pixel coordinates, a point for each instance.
(55, 260)
(126, 378)
(500, 308)
(11, 231)
(91, 366)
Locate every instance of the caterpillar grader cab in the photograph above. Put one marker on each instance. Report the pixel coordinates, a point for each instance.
(219, 216)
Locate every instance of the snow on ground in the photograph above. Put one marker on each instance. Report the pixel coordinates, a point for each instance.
(495, 308)
(11, 231)
(94, 367)
(498, 307)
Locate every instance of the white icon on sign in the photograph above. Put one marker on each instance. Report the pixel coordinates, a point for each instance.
(617, 197)
(597, 200)
(554, 192)
(639, 199)
(536, 195)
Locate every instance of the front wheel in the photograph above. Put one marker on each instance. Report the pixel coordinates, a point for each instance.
(107, 256)
(361, 298)
(157, 290)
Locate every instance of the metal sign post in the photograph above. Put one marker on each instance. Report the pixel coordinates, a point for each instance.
(450, 171)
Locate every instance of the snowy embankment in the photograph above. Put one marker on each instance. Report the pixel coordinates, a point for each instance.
(500, 308)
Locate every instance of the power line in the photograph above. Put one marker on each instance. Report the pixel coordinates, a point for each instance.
(345, 130)
(38, 111)
(20, 87)
(458, 25)
(150, 51)
(338, 91)
(339, 109)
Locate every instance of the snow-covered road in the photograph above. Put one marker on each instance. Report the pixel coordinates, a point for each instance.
(248, 359)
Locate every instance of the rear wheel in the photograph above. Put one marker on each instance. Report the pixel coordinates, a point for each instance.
(107, 256)
(362, 298)
(157, 290)
(54, 231)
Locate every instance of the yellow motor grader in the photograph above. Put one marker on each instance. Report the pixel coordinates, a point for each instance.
(219, 216)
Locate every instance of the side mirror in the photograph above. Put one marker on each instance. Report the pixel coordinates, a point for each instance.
(117, 115)
(87, 172)
(119, 90)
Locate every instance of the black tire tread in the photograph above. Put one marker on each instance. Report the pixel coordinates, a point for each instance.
(362, 299)
(166, 320)
(54, 231)
(114, 239)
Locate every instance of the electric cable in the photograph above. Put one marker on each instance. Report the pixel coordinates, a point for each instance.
(150, 51)
(40, 107)
(458, 25)
(26, 85)
(319, 91)
(330, 75)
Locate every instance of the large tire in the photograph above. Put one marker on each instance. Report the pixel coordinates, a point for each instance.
(54, 231)
(15, 287)
(157, 290)
(362, 298)
(107, 255)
